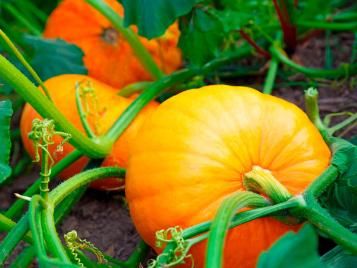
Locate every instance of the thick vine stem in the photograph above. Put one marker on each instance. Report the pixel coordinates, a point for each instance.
(25, 258)
(12, 239)
(34, 217)
(50, 234)
(141, 52)
(342, 71)
(321, 183)
(64, 189)
(319, 217)
(7, 225)
(220, 224)
(12, 76)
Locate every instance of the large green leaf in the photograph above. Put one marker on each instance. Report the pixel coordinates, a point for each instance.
(6, 52)
(49, 57)
(341, 198)
(353, 140)
(339, 258)
(201, 37)
(293, 250)
(5, 144)
(153, 17)
(52, 57)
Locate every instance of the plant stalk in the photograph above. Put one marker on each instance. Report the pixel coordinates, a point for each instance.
(344, 70)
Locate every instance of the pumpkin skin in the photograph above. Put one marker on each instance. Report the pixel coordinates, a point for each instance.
(62, 91)
(194, 151)
(108, 56)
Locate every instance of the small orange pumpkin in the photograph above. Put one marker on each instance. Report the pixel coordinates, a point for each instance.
(195, 149)
(109, 107)
(108, 56)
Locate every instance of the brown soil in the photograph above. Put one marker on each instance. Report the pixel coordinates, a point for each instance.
(103, 218)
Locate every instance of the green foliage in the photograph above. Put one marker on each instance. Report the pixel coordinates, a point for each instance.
(153, 17)
(5, 144)
(202, 36)
(341, 198)
(311, 10)
(339, 258)
(206, 26)
(293, 250)
(353, 140)
(52, 57)
(49, 57)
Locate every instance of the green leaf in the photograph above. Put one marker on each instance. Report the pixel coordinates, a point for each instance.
(293, 250)
(232, 20)
(153, 17)
(5, 51)
(201, 37)
(52, 57)
(339, 258)
(341, 198)
(5, 144)
(310, 10)
(353, 140)
(240, 13)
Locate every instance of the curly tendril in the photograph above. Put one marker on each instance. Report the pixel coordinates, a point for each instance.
(88, 101)
(75, 243)
(42, 134)
(178, 254)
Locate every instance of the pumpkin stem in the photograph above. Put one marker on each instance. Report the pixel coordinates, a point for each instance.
(110, 36)
(262, 181)
(313, 111)
(130, 36)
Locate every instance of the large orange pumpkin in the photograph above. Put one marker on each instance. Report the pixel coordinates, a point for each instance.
(107, 55)
(194, 151)
(110, 106)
